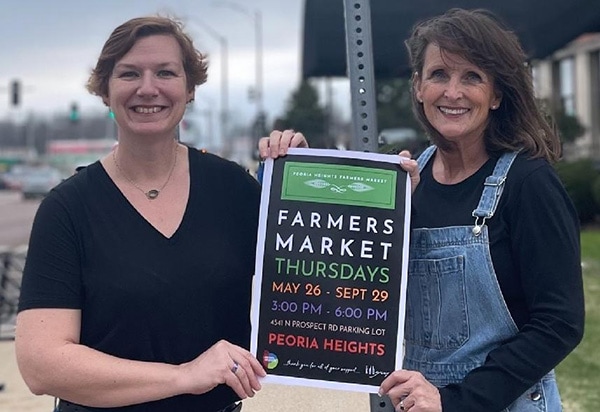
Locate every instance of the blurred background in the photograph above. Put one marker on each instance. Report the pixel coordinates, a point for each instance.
(274, 64)
(49, 49)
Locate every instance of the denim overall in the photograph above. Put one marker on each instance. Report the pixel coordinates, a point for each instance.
(456, 312)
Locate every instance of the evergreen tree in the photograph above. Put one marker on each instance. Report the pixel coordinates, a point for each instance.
(305, 114)
(394, 107)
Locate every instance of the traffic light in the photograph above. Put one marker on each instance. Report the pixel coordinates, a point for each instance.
(74, 113)
(15, 93)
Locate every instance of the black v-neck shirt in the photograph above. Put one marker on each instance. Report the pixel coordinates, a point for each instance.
(144, 296)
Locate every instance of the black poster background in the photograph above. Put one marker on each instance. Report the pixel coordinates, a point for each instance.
(301, 350)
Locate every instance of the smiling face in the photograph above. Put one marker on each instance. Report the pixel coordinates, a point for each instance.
(457, 96)
(147, 88)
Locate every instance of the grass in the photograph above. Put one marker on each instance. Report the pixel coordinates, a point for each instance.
(579, 374)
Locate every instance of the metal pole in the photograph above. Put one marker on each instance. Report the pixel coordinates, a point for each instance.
(259, 61)
(257, 17)
(359, 54)
(224, 92)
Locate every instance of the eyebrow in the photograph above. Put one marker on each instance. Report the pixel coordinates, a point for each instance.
(134, 66)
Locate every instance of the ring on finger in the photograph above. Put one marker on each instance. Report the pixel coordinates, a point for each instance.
(235, 367)
(401, 404)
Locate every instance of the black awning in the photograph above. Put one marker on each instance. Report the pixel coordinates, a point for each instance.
(543, 26)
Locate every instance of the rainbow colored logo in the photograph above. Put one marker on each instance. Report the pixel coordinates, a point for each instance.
(270, 360)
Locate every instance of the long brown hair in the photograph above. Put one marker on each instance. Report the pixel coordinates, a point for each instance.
(480, 38)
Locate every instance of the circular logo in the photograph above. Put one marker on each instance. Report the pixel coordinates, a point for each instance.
(270, 360)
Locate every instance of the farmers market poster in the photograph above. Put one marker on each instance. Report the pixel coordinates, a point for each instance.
(329, 289)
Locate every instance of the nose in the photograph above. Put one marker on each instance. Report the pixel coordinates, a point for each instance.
(453, 89)
(147, 86)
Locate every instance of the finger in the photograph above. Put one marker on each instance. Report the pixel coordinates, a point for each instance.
(234, 383)
(248, 372)
(274, 141)
(235, 367)
(257, 367)
(409, 165)
(263, 147)
(395, 380)
(244, 380)
(251, 365)
(398, 395)
(286, 139)
(298, 140)
(405, 153)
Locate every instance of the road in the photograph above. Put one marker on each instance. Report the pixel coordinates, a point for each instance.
(16, 217)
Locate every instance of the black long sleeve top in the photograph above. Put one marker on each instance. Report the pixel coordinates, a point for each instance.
(535, 249)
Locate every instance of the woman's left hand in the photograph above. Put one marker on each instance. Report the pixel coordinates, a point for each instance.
(278, 143)
(410, 391)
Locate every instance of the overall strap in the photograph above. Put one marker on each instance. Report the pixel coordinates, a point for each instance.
(492, 190)
(425, 156)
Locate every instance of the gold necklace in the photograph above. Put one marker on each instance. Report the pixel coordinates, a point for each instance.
(152, 193)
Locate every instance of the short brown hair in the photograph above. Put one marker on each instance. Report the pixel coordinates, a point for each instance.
(127, 34)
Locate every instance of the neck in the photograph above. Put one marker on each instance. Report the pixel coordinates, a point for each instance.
(454, 166)
(146, 162)
(135, 172)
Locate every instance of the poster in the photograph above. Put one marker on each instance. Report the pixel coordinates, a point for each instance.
(331, 269)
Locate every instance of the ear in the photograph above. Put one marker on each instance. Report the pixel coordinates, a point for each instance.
(416, 84)
(190, 95)
(496, 100)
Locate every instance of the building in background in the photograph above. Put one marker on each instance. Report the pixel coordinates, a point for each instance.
(67, 155)
(570, 81)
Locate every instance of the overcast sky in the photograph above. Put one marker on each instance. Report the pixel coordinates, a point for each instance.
(51, 46)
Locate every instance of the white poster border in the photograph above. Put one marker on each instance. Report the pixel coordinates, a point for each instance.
(257, 280)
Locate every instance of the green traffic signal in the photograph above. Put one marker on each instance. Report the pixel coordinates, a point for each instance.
(74, 113)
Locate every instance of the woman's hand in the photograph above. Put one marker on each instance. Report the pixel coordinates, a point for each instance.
(278, 143)
(411, 167)
(410, 391)
(223, 363)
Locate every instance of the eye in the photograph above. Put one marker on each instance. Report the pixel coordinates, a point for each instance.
(473, 77)
(128, 75)
(438, 74)
(166, 73)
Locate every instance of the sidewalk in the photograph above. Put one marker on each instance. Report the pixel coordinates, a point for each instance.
(16, 396)
(272, 398)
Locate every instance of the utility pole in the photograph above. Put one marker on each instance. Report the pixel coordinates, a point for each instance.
(256, 17)
(224, 117)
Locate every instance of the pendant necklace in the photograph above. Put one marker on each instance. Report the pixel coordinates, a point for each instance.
(152, 193)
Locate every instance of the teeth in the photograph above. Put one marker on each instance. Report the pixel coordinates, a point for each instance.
(147, 110)
(448, 110)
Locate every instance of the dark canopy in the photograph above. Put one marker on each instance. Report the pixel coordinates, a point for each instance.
(543, 26)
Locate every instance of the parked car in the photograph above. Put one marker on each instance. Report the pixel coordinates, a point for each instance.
(3, 184)
(38, 181)
(12, 179)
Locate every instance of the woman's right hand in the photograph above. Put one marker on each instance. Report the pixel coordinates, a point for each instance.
(278, 143)
(410, 166)
(218, 366)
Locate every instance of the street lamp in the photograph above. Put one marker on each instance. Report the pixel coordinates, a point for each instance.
(224, 77)
(256, 16)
